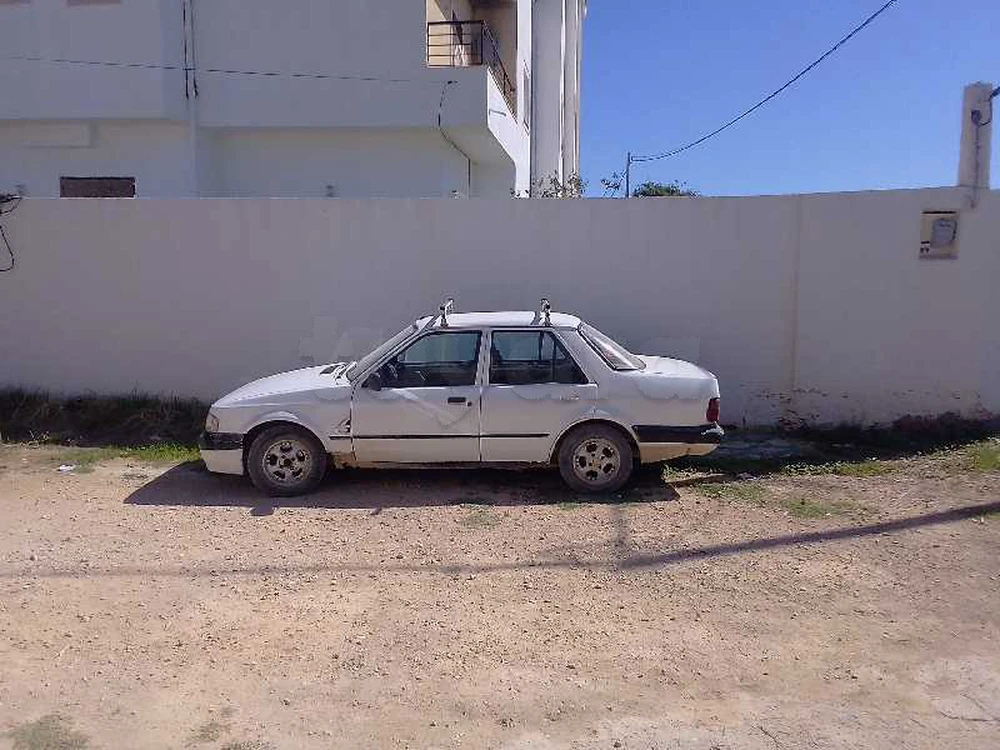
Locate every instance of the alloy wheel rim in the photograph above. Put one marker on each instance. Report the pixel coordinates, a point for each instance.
(596, 461)
(287, 461)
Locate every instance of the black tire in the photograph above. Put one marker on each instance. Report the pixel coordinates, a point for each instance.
(596, 458)
(289, 452)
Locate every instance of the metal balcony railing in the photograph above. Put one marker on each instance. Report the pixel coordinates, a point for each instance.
(461, 44)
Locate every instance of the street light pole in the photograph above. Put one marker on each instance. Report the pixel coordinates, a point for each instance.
(628, 175)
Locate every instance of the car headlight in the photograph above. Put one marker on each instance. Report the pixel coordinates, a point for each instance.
(211, 423)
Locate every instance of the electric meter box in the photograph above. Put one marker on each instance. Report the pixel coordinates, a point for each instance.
(939, 234)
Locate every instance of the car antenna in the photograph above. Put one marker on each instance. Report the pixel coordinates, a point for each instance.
(546, 309)
(446, 310)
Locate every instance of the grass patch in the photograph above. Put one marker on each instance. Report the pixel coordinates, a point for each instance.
(684, 468)
(851, 450)
(871, 468)
(131, 420)
(735, 466)
(52, 732)
(980, 457)
(162, 453)
(861, 469)
(803, 507)
(905, 436)
(85, 459)
(137, 427)
(569, 505)
(985, 456)
(671, 474)
(480, 518)
(734, 491)
(756, 493)
(210, 731)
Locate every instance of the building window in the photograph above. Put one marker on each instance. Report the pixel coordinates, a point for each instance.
(97, 187)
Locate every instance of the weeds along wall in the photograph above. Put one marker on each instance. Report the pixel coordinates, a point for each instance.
(812, 308)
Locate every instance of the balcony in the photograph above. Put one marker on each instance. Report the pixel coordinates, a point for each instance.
(463, 44)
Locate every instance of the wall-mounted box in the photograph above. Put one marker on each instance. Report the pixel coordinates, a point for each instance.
(939, 234)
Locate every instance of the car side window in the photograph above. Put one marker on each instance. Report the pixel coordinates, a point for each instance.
(531, 358)
(438, 359)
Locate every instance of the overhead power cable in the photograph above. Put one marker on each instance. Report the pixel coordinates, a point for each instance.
(218, 71)
(857, 29)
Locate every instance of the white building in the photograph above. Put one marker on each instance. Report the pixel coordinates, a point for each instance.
(346, 98)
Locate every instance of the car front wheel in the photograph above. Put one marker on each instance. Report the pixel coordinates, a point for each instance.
(595, 458)
(285, 461)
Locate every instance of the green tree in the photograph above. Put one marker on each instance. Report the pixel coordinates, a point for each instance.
(663, 190)
(573, 187)
(612, 184)
(552, 187)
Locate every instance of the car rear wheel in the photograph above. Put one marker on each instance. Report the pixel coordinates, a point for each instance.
(285, 461)
(596, 458)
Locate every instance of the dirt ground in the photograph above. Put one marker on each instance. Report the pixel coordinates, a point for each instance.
(146, 606)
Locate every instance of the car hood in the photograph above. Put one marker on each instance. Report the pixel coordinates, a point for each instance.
(306, 380)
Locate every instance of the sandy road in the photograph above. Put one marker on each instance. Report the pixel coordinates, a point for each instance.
(153, 607)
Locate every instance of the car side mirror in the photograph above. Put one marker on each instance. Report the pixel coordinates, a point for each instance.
(374, 382)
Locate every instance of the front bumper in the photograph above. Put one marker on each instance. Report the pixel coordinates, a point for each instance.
(222, 452)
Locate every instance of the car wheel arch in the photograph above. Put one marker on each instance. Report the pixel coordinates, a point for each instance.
(268, 423)
(625, 431)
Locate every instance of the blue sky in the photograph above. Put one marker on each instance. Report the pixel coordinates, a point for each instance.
(883, 112)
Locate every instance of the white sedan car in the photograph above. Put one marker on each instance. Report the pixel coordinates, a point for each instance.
(470, 389)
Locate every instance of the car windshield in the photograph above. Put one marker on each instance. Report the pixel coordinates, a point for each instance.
(616, 355)
(374, 356)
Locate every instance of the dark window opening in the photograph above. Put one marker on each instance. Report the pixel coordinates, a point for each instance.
(531, 358)
(97, 187)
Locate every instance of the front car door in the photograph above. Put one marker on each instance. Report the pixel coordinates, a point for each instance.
(424, 404)
(533, 391)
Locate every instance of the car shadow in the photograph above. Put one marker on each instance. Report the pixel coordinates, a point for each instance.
(191, 485)
(615, 553)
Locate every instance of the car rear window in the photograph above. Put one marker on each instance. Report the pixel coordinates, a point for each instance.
(614, 354)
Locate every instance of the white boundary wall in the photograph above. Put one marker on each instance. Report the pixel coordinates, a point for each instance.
(810, 307)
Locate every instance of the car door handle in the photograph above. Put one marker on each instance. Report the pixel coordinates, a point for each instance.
(456, 399)
(569, 397)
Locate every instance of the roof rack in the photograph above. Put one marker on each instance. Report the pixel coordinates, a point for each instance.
(446, 309)
(545, 308)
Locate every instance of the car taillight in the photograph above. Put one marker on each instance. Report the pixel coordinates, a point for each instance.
(712, 413)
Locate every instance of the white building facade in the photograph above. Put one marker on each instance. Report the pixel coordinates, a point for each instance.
(312, 98)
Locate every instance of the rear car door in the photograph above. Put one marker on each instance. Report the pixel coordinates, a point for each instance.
(534, 389)
(427, 409)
